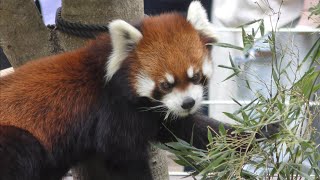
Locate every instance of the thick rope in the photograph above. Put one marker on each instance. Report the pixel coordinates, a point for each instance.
(78, 29)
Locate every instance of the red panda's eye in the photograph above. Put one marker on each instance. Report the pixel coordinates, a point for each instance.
(196, 78)
(165, 86)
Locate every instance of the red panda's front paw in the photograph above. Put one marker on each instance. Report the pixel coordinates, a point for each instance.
(269, 130)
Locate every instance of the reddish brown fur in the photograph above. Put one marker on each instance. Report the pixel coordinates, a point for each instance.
(169, 43)
(43, 109)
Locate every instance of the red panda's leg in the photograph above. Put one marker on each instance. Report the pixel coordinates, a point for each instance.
(184, 128)
(129, 165)
(197, 125)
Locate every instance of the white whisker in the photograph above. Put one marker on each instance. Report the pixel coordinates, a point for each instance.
(159, 107)
(167, 115)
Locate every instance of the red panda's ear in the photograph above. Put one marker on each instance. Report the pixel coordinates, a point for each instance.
(198, 17)
(124, 37)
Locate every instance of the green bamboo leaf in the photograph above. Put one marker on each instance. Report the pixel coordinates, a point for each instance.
(253, 33)
(244, 37)
(181, 162)
(307, 83)
(210, 138)
(191, 138)
(315, 10)
(245, 107)
(226, 45)
(316, 88)
(248, 175)
(233, 117)
(222, 130)
(249, 23)
(195, 159)
(231, 61)
(176, 146)
(234, 100)
(261, 27)
(275, 77)
(188, 163)
(245, 116)
(226, 67)
(248, 84)
(315, 48)
(280, 168)
(279, 105)
(303, 174)
(247, 47)
(305, 145)
(215, 163)
(273, 172)
(232, 75)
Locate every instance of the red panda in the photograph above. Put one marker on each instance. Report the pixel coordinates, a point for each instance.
(112, 97)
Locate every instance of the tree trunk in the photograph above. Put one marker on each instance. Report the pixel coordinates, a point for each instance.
(23, 37)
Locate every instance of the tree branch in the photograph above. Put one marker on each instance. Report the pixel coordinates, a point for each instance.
(96, 12)
(101, 12)
(23, 35)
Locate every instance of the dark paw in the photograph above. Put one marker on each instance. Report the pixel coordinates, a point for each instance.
(269, 130)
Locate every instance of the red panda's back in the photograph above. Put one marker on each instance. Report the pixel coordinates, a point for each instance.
(45, 96)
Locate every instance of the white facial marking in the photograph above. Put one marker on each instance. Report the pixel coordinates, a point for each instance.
(122, 35)
(207, 67)
(190, 72)
(174, 99)
(170, 78)
(145, 85)
(198, 17)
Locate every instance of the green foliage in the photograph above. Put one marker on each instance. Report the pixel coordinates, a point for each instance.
(315, 11)
(281, 155)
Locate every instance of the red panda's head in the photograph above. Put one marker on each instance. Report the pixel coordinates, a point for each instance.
(170, 57)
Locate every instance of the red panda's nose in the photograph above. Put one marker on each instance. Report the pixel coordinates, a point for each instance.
(188, 103)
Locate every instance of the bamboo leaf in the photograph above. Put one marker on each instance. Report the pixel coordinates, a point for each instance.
(222, 130)
(261, 27)
(226, 45)
(315, 48)
(227, 67)
(210, 138)
(245, 116)
(234, 100)
(215, 163)
(231, 61)
(249, 23)
(232, 75)
(233, 117)
(248, 84)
